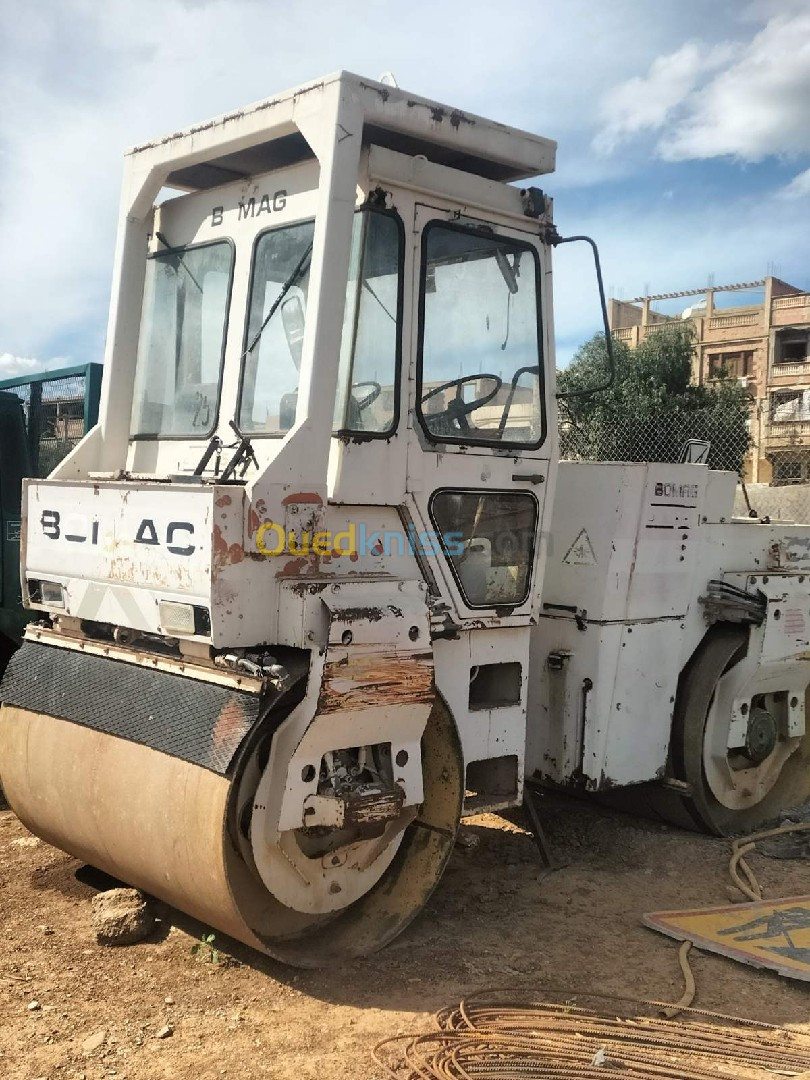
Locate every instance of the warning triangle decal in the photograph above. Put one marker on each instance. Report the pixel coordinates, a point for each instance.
(581, 552)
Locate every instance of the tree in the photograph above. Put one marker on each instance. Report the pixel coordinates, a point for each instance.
(653, 407)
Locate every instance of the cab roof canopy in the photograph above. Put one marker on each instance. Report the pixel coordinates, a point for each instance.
(392, 118)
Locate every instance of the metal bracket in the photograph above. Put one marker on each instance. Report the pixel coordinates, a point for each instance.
(534, 202)
(442, 624)
(537, 831)
(558, 659)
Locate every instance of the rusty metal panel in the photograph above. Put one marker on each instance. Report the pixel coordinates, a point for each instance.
(369, 678)
(194, 721)
(379, 648)
(369, 809)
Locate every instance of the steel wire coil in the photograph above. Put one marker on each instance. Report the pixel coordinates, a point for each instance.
(517, 1035)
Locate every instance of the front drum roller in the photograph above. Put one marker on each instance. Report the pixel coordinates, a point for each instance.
(172, 829)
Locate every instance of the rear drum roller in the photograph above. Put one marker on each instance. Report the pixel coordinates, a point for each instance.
(729, 790)
(182, 833)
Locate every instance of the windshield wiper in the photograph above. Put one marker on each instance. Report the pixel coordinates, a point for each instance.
(214, 446)
(177, 254)
(298, 270)
(509, 273)
(244, 456)
(368, 288)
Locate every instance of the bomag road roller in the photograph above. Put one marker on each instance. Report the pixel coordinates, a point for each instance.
(315, 585)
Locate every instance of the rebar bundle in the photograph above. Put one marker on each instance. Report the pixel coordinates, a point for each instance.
(508, 1035)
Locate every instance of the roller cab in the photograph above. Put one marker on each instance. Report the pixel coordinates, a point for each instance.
(286, 586)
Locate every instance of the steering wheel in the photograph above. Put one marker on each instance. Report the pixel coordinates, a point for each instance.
(356, 406)
(371, 396)
(457, 410)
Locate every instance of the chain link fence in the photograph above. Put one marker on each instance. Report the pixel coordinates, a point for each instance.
(783, 421)
(655, 437)
(59, 409)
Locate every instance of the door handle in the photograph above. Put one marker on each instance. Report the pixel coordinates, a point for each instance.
(529, 477)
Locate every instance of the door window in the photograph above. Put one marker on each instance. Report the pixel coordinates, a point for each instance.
(368, 387)
(488, 538)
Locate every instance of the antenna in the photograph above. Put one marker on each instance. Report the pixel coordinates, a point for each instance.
(388, 79)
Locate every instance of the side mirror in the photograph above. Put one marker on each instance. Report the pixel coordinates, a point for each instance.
(293, 321)
(696, 452)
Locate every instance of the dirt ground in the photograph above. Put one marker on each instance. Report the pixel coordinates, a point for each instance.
(497, 919)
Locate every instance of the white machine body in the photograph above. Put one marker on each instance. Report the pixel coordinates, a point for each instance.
(632, 553)
(329, 431)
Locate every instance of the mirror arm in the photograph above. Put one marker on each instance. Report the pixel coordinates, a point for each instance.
(551, 236)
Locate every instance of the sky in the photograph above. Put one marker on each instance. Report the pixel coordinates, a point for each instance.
(684, 142)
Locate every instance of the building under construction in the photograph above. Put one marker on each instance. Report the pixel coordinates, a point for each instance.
(765, 345)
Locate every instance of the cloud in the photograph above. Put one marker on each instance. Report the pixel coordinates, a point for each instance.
(798, 188)
(646, 103)
(757, 106)
(87, 80)
(741, 99)
(13, 366)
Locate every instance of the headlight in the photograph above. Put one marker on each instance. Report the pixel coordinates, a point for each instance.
(47, 593)
(176, 618)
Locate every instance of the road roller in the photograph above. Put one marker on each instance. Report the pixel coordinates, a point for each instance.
(316, 585)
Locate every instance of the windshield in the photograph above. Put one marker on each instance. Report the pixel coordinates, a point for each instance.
(179, 366)
(480, 344)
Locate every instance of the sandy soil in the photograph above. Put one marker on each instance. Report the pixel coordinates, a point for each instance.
(497, 919)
